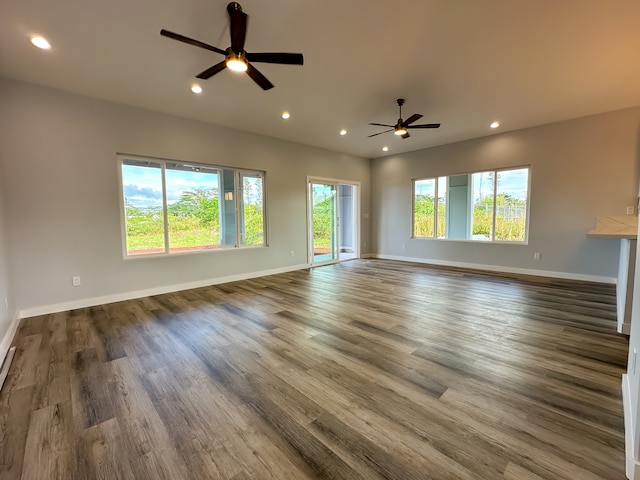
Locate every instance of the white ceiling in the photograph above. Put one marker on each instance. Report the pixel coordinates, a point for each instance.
(463, 63)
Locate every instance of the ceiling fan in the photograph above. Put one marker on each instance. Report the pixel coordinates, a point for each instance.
(402, 127)
(236, 58)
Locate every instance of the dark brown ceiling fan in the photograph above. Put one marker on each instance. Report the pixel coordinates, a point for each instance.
(401, 128)
(236, 58)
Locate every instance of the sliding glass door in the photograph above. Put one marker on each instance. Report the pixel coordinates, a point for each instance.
(323, 222)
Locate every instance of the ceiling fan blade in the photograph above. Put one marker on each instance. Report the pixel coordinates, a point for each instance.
(425, 125)
(382, 125)
(283, 58)
(411, 119)
(190, 41)
(237, 26)
(210, 72)
(406, 135)
(259, 78)
(380, 133)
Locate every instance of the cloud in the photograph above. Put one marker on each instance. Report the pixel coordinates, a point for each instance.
(144, 185)
(142, 196)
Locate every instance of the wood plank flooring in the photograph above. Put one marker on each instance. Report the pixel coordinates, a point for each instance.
(369, 369)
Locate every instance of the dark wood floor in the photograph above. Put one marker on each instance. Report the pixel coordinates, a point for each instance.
(369, 369)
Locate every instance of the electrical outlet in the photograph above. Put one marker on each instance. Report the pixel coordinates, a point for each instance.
(630, 211)
(292, 253)
(537, 256)
(75, 281)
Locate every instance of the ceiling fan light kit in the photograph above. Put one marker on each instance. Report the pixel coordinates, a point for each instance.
(401, 128)
(236, 61)
(236, 58)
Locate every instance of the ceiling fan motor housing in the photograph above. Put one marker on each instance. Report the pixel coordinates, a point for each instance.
(233, 6)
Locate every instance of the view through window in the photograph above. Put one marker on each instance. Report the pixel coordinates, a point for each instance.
(172, 207)
(481, 206)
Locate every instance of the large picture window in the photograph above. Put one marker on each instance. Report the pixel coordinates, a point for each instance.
(173, 207)
(482, 206)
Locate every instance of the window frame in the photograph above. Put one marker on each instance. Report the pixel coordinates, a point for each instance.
(238, 204)
(492, 240)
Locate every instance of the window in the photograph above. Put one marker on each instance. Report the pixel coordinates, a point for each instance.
(171, 207)
(482, 206)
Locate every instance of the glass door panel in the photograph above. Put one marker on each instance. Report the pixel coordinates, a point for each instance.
(347, 222)
(323, 213)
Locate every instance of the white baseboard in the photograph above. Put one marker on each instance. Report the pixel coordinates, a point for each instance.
(499, 268)
(632, 465)
(119, 297)
(8, 337)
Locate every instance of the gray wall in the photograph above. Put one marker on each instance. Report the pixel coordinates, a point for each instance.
(60, 217)
(579, 169)
(6, 314)
(58, 156)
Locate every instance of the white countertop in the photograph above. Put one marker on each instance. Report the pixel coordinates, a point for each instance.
(622, 226)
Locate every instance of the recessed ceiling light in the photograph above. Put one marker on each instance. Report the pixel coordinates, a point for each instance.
(196, 88)
(343, 132)
(495, 125)
(285, 115)
(385, 149)
(40, 42)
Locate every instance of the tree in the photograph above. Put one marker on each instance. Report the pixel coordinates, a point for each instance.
(423, 216)
(201, 203)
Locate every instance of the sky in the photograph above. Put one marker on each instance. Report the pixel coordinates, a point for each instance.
(143, 185)
(512, 182)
